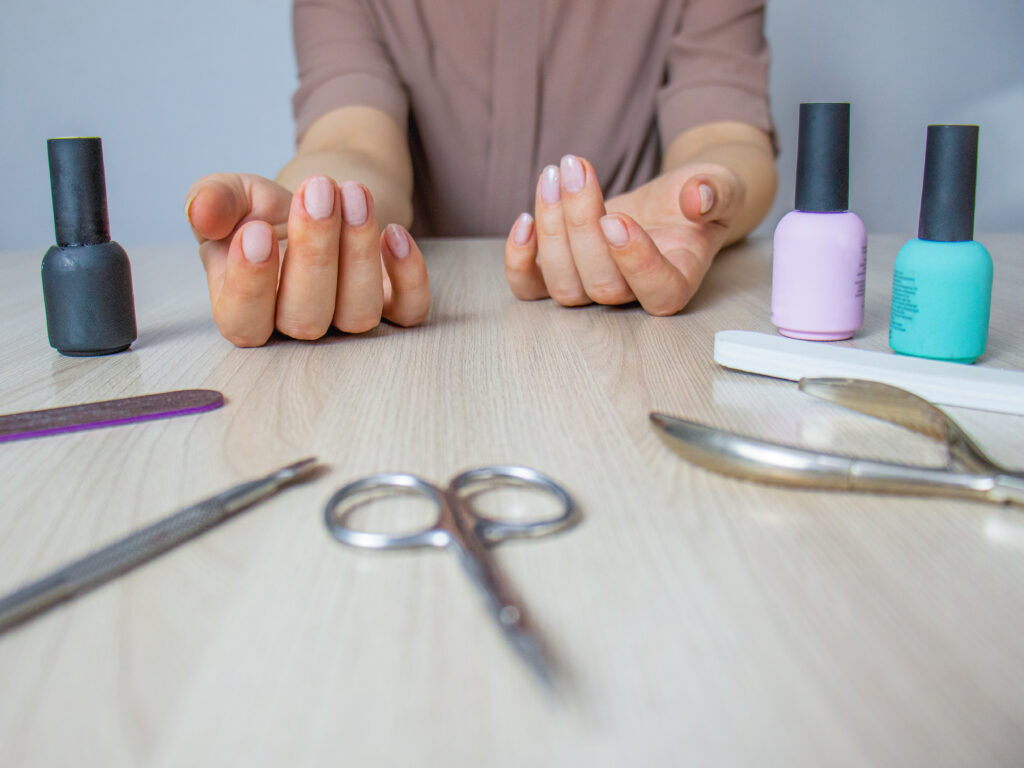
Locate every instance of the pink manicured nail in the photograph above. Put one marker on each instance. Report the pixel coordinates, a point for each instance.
(550, 192)
(707, 198)
(572, 174)
(318, 197)
(353, 204)
(523, 228)
(256, 242)
(398, 241)
(614, 230)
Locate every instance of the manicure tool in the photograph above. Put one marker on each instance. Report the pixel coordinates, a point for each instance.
(466, 532)
(107, 413)
(968, 386)
(142, 546)
(968, 474)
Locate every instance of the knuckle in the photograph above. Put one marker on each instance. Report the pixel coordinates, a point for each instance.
(246, 292)
(569, 297)
(358, 323)
(610, 292)
(407, 318)
(550, 224)
(316, 255)
(665, 307)
(723, 200)
(360, 255)
(534, 294)
(576, 220)
(302, 328)
(551, 231)
(641, 266)
(245, 339)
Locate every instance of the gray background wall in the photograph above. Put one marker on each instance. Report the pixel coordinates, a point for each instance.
(181, 89)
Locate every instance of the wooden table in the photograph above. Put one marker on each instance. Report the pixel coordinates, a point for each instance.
(704, 620)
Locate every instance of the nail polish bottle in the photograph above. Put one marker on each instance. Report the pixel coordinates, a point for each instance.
(819, 250)
(87, 280)
(942, 282)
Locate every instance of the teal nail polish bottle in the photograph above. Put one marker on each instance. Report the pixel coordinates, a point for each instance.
(942, 282)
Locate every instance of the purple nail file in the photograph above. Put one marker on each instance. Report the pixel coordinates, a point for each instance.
(107, 413)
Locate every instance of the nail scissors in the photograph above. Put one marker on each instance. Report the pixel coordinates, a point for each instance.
(467, 532)
(968, 474)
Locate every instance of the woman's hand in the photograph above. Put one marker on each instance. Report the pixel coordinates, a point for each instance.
(339, 269)
(651, 245)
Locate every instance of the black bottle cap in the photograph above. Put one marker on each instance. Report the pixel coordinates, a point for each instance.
(823, 158)
(79, 191)
(950, 177)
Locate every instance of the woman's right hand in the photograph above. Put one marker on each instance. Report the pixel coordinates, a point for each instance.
(339, 269)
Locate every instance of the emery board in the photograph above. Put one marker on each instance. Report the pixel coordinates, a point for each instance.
(107, 413)
(956, 384)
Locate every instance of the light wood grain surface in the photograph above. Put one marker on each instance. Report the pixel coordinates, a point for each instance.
(702, 620)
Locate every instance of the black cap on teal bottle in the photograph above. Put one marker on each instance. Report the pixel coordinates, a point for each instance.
(950, 181)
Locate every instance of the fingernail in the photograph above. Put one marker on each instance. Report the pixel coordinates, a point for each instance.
(398, 241)
(256, 243)
(188, 207)
(572, 174)
(523, 228)
(707, 198)
(318, 197)
(353, 204)
(614, 230)
(550, 192)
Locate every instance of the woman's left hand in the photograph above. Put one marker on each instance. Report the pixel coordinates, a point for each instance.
(652, 245)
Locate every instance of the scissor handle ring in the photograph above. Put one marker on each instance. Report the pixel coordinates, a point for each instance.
(493, 530)
(382, 484)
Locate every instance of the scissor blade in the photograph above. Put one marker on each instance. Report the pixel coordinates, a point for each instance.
(898, 406)
(751, 459)
(529, 648)
(502, 603)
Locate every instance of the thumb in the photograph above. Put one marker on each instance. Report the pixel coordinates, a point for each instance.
(217, 205)
(714, 195)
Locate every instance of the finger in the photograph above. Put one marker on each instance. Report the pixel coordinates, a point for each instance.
(360, 277)
(583, 207)
(521, 269)
(214, 255)
(217, 204)
(712, 196)
(408, 301)
(659, 287)
(554, 256)
(244, 308)
(309, 274)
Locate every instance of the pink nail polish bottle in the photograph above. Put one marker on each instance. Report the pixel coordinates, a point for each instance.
(819, 252)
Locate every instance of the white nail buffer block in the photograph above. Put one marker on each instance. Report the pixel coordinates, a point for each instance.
(967, 386)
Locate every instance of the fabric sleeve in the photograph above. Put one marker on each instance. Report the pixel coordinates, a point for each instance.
(717, 69)
(342, 61)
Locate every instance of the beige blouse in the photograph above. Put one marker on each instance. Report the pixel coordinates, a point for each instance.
(494, 90)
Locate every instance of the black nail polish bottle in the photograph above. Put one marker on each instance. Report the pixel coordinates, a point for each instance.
(87, 280)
